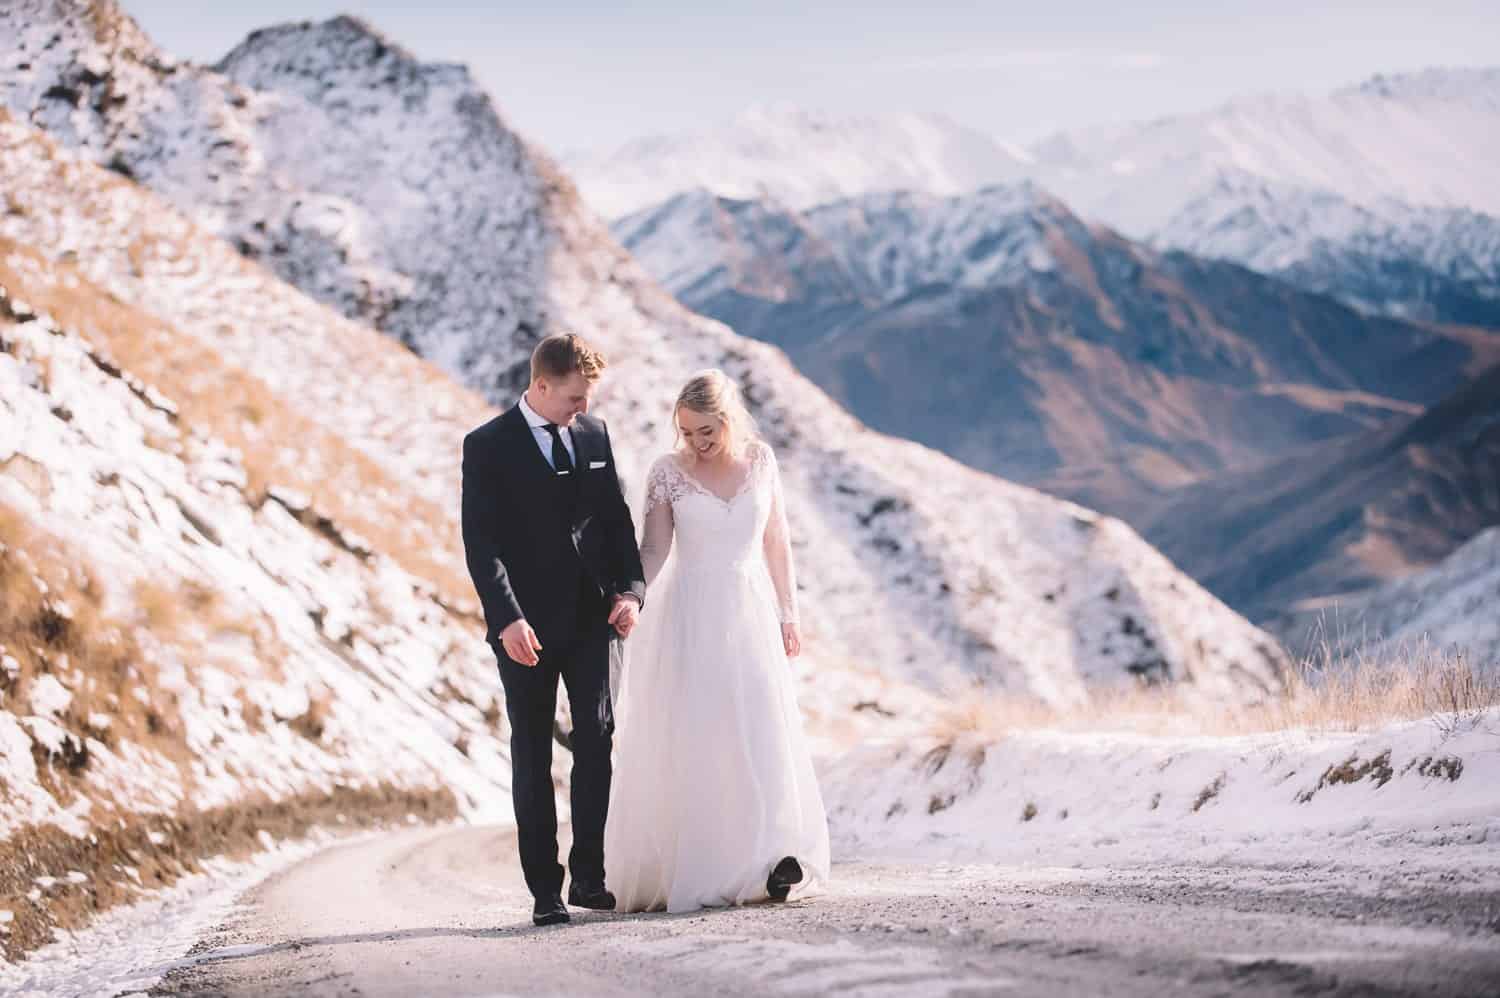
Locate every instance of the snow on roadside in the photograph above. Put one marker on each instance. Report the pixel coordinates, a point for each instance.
(128, 950)
(1115, 797)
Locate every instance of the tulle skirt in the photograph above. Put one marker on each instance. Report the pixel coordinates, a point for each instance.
(713, 782)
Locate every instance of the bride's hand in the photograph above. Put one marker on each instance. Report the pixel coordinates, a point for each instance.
(791, 639)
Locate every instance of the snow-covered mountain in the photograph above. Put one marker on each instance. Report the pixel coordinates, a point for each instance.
(1424, 262)
(1430, 138)
(875, 248)
(798, 158)
(455, 269)
(965, 573)
(1004, 330)
(1378, 194)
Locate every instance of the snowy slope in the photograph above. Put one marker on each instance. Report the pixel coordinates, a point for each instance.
(1117, 798)
(278, 656)
(966, 574)
(799, 158)
(1449, 608)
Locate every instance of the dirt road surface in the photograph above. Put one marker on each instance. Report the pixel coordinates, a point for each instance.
(444, 912)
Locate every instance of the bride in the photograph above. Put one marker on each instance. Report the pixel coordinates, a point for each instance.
(714, 799)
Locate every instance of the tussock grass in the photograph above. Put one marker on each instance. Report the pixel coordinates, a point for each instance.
(147, 851)
(278, 445)
(159, 606)
(52, 623)
(1349, 692)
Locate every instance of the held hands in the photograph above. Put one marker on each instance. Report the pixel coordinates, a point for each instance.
(521, 643)
(791, 638)
(624, 614)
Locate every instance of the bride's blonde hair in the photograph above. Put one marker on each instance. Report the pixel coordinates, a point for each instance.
(713, 393)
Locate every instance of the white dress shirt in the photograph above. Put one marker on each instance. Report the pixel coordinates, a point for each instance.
(543, 438)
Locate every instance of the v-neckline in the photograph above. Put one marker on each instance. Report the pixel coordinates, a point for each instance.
(698, 484)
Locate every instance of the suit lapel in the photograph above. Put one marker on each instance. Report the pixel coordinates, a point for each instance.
(586, 445)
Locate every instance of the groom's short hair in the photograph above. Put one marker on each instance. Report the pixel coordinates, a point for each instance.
(562, 354)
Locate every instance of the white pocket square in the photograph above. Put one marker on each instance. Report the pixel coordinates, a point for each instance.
(596, 465)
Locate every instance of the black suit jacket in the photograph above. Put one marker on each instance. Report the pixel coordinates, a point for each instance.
(539, 544)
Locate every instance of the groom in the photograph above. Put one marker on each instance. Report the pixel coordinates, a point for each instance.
(552, 552)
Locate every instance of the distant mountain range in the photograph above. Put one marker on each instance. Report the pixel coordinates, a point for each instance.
(1377, 194)
(1121, 312)
(1001, 328)
(1419, 262)
(798, 158)
(1426, 138)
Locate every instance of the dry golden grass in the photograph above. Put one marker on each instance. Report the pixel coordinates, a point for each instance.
(159, 606)
(162, 848)
(277, 444)
(1354, 692)
(52, 622)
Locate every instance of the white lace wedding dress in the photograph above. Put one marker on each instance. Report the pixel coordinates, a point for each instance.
(713, 783)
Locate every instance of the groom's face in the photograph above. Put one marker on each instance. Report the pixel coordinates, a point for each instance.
(562, 400)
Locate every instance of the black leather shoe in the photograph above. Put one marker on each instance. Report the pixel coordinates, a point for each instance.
(549, 911)
(592, 896)
(779, 883)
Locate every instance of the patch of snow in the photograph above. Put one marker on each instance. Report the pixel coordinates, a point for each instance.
(131, 948)
(49, 697)
(1037, 794)
(1448, 609)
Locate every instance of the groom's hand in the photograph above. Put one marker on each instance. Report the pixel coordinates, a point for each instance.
(521, 643)
(624, 615)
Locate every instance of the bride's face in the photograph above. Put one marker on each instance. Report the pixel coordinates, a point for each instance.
(705, 435)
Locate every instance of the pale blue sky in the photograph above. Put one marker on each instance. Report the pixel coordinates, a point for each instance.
(585, 75)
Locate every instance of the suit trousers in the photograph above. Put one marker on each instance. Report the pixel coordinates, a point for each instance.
(531, 705)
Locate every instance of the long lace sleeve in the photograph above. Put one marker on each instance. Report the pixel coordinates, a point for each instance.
(656, 543)
(778, 544)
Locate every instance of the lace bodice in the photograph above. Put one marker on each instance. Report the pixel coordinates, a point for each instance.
(712, 533)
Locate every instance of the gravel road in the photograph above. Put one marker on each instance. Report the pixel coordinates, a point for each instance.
(443, 912)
